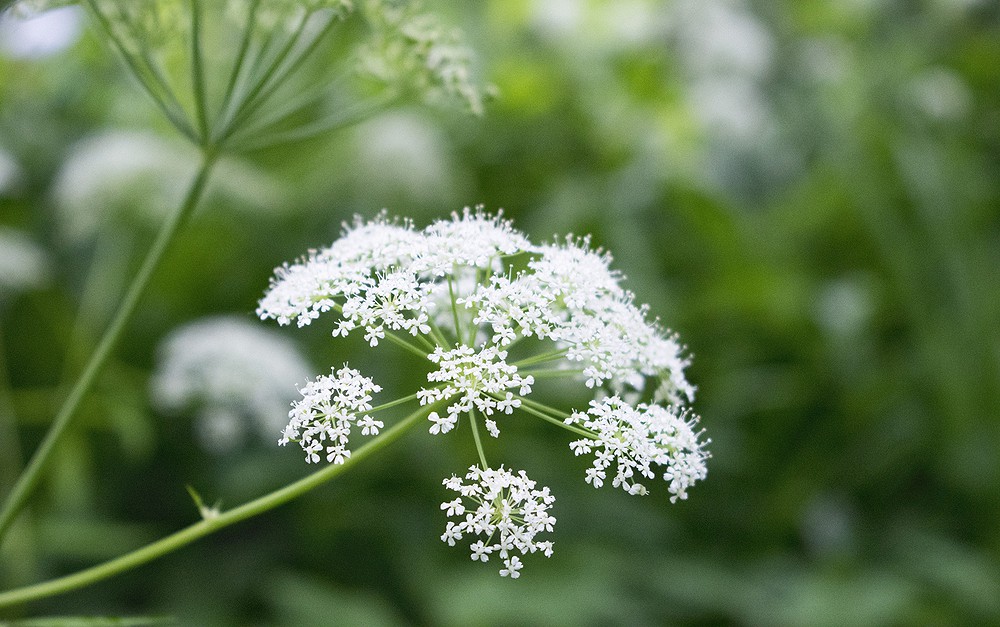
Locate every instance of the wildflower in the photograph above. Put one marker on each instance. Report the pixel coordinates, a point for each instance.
(329, 408)
(475, 379)
(636, 438)
(415, 52)
(237, 377)
(497, 317)
(503, 507)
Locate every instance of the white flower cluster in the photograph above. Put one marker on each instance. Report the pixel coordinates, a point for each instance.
(498, 316)
(503, 507)
(236, 377)
(23, 263)
(413, 50)
(329, 408)
(476, 380)
(636, 438)
(570, 295)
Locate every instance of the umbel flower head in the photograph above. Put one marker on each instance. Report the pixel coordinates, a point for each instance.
(497, 317)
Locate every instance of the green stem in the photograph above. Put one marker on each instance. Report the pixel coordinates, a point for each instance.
(398, 401)
(543, 373)
(550, 414)
(148, 78)
(537, 359)
(10, 463)
(289, 68)
(479, 441)
(247, 100)
(32, 473)
(241, 56)
(209, 525)
(198, 73)
(408, 346)
(454, 307)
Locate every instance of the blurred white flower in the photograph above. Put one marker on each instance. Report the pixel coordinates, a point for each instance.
(237, 378)
(843, 307)
(403, 153)
(23, 263)
(941, 94)
(608, 26)
(32, 34)
(496, 316)
(120, 172)
(139, 177)
(721, 38)
(732, 107)
(10, 173)
(415, 52)
(557, 17)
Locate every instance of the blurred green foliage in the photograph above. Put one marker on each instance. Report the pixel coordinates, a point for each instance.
(807, 192)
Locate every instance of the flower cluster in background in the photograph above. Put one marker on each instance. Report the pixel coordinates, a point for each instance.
(496, 317)
(235, 377)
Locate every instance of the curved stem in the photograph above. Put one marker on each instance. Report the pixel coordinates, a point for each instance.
(210, 524)
(32, 473)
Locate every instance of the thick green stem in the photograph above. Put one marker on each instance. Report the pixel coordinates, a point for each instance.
(32, 473)
(208, 525)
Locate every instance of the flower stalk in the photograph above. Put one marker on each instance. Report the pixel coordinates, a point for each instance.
(32, 473)
(209, 525)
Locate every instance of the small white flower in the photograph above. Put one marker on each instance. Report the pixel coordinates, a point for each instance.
(512, 567)
(473, 380)
(506, 509)
(330, 406)
(441, 425)
(636, 438)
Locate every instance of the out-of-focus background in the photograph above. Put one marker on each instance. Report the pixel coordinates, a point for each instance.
(807, 192)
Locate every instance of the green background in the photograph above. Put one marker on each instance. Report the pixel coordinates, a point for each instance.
(807, 192)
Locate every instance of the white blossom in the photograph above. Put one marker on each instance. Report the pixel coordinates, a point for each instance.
(472, 381)
(636, 438)
(34, 30)
(236, 377)
(496, 316)
(130, 176)
(330, 407)
(504, 508)
(413, 51)
(23, 263)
